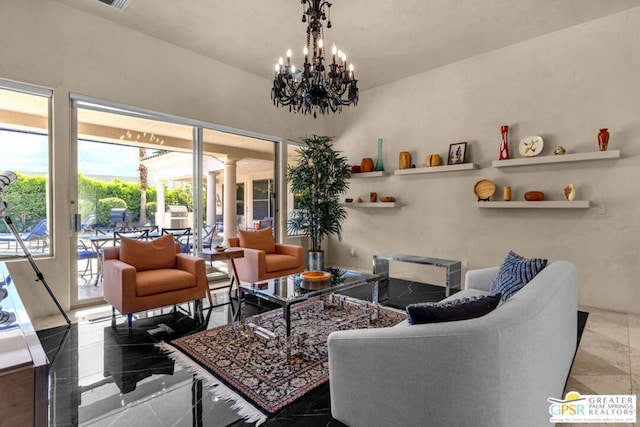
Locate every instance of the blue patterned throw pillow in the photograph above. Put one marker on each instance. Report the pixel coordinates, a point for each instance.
(514, 273)
(458, 309)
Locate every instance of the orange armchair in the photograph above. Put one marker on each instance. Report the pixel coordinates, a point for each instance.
(265, 259)
(142, 275)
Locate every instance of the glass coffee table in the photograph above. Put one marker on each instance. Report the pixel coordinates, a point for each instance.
(289, 290)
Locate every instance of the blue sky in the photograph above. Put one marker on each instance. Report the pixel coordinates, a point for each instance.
(28, 153)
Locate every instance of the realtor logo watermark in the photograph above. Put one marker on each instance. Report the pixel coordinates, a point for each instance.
(576, 408)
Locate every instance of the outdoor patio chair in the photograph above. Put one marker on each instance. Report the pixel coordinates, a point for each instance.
(136, 235)
(37, 234)
(152, 229)
(85, 253)
(210, 237)
(88, 223)
(180, 235)
(264, 223)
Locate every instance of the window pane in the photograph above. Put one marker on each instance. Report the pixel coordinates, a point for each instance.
(24, 143)
(261, 199)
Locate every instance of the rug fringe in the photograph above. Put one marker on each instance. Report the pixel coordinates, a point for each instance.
(243, 408)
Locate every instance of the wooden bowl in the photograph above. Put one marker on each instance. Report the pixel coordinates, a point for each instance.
(220, 249)
(315, 280)
(316, 276)
(387, 199)
(534, 196)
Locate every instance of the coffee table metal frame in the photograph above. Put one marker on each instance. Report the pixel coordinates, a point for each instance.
(282, 291)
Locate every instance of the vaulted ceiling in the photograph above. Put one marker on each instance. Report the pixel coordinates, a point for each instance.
(385, 39)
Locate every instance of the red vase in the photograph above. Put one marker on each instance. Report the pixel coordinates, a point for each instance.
(504, 145)
(603, 139)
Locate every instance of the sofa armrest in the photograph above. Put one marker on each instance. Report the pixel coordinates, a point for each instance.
(252, 265)
(480, 279)
(292, 250)
(193, 265)
(371, 370)
(119, 283)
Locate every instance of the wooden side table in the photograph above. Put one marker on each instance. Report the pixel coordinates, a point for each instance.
(227, 255)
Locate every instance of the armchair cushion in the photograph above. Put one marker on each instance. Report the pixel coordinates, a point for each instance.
(279, 262)
(153, 282)
(261, 240)
(150, 255)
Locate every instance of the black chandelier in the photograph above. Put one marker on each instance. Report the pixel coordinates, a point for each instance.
(315, 87)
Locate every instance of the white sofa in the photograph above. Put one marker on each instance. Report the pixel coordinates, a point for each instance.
(495, 370)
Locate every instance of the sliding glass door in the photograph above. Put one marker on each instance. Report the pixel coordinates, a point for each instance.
(138, 171)
(133, 174)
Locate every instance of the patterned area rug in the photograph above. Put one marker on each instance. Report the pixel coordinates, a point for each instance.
(251, 364)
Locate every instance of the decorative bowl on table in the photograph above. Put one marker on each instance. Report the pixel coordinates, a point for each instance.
(220, 248)
(315, 279)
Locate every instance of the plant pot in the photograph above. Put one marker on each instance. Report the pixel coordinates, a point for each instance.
(315, 260)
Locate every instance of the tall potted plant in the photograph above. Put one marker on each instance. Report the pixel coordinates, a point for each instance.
(318, 178)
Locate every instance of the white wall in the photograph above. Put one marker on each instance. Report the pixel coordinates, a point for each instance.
(563, 86)
(45, 43)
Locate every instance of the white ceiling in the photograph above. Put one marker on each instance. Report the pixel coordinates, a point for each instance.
(385, 39)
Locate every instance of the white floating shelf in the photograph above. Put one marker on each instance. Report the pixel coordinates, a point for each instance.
(563, 158)
(549, 204)
(434, 169)
(370, 205)
(374, 174)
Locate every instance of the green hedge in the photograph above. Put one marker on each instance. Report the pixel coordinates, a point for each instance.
(27, 200)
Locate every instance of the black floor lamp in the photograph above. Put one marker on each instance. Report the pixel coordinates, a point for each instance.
(6, 178)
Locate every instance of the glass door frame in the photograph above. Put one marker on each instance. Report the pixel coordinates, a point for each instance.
(86, 102)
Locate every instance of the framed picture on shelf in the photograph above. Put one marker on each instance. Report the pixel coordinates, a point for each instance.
(457, 152)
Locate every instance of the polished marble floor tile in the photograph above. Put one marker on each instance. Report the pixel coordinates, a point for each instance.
(100, 377)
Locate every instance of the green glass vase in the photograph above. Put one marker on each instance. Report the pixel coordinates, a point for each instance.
(379, 165)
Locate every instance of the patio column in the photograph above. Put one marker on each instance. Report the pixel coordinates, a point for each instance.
(230, 221)
(211, 197)
(160, 204)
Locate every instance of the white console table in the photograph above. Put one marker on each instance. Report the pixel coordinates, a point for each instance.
(453, 270)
